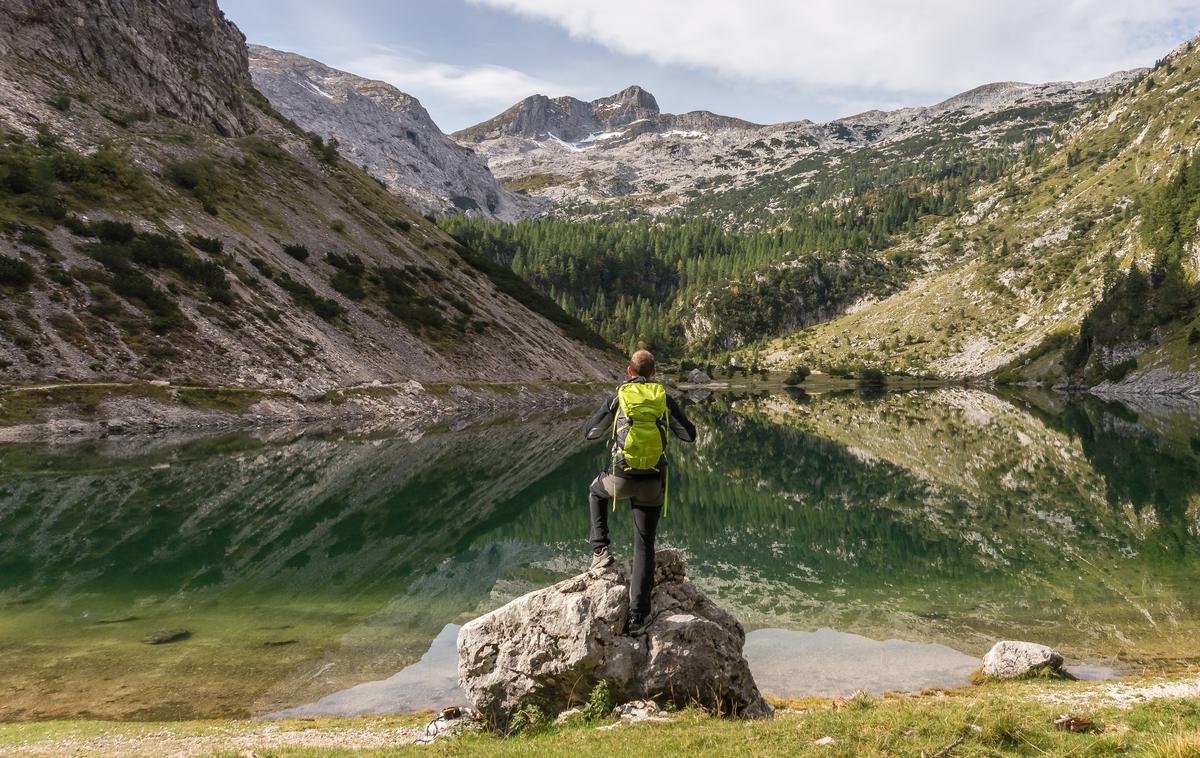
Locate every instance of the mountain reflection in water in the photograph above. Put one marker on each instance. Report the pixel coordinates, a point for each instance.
(308, 564)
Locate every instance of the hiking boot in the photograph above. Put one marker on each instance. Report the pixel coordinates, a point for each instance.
(601, 559)
(636, 626)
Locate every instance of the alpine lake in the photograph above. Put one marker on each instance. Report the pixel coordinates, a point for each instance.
(879, 541)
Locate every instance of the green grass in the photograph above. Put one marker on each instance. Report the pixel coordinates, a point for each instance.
(31, 406)
(994, 720)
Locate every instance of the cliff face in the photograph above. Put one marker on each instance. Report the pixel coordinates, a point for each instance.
(387, 132)
(182, 59)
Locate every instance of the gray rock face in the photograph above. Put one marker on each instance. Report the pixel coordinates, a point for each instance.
(631, 111)
(181, 57)
(1010, 659)
(387, 132)
(696, 376)
(552, 646)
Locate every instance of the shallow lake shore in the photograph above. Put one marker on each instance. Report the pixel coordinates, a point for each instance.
(61, 412)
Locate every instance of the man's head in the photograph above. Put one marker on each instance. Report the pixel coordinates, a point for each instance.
(641, 364)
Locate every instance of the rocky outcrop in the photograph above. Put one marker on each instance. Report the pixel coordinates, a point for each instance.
(551, 647)
(180, 58)
(1012, 660)
(1159, 380)
(387, 132)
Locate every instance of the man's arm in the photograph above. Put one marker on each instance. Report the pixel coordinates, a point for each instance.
(601, 421)
(681, 427)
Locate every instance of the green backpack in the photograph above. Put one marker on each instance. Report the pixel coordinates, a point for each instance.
(639, 426)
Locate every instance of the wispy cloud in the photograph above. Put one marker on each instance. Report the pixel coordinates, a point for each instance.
(882, 45)
(483, 84)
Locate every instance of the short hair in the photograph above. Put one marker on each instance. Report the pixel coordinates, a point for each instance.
(642, 363)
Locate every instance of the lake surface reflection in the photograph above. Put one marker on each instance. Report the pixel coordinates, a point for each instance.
(867, 542)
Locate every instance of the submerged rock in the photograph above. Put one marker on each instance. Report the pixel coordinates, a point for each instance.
(167, 636)
(551, 647)
(1010, 660)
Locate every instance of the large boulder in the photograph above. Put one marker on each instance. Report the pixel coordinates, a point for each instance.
(551, 647)
(696, 376)
(1010, 660)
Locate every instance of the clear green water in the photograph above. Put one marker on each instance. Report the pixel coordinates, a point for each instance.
(305, 563)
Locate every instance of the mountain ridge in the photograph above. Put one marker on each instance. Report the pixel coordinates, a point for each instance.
(562, 151)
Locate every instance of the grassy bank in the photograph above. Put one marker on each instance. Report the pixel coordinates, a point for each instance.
(1160, 717)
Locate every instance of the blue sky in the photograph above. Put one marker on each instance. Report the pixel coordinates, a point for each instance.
(762, 60)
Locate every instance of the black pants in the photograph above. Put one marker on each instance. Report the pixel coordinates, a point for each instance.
(646, 498)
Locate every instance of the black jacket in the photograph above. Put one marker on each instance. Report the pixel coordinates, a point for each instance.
(601, 422)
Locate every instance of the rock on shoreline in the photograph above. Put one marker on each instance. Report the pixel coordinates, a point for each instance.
(551, 647)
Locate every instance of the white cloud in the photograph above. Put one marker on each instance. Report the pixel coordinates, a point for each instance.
(882, 45)
(484, 84)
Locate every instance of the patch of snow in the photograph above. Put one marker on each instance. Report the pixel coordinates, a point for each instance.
(600, 137)
(318, 90)
(686, 134)
(570, 145)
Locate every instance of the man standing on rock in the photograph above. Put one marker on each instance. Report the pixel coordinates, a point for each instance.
(637, 417)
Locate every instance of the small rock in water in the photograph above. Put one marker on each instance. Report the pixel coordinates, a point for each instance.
(121, 620)
(1010, 659)
(280, 643)
(166, 636)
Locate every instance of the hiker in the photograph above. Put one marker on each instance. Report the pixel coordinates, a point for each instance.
(636, 417)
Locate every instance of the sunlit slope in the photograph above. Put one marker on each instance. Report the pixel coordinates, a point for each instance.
(1035, 249)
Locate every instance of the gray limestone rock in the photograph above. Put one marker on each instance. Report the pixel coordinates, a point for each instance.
(183, 58)
(551, 647)
(1010, 659)
(388, 133)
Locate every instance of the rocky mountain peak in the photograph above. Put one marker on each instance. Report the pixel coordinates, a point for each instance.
(628, 106)
(389, 133)
(181, 58)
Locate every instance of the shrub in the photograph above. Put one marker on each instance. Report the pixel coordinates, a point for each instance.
(349, 263)
(297, 251)
(400, 224)
(326, 152)
(77, 226)
(202, 177)
(61, 101)
(34, 236)
(797, 376)
(306, 296)
(164, 312)
(117, 232)
(47, 138)
(338, 226)
(1194, 336)
(870, 377)
(207, 244)
(348, 284)
(528, 719)
(599, 705)
(15, 272)
(1119, 371)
